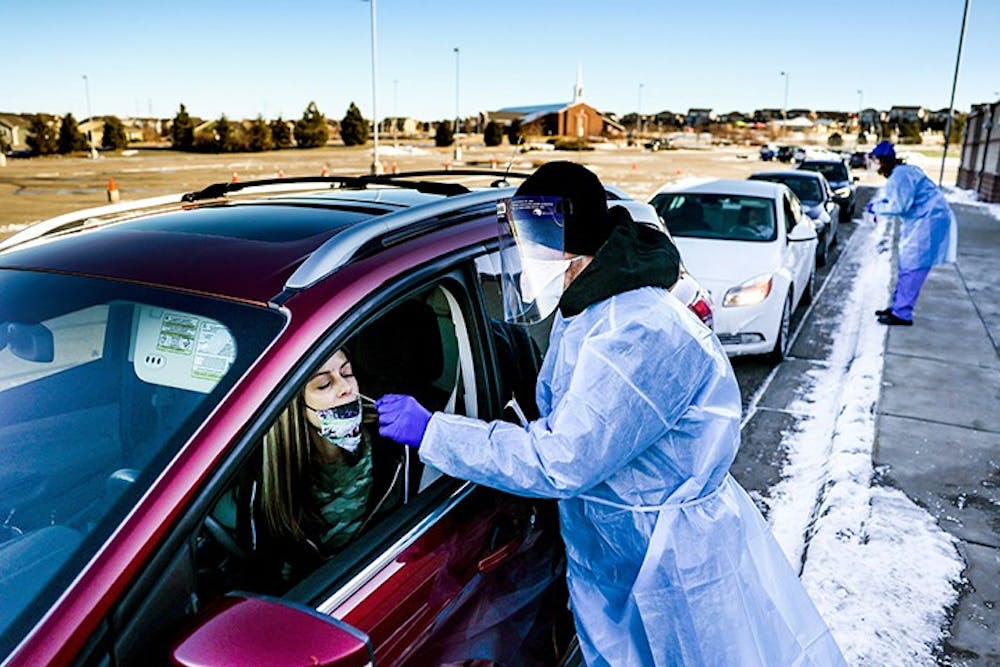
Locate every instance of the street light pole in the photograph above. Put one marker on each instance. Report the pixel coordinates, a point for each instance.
(861, 107)
(954, 85)
(376, 162)
(638, 120)
(90, 134)
(395, 118)
(784, 105)
(458, 147)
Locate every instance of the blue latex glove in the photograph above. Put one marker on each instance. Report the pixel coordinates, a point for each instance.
(402, 418)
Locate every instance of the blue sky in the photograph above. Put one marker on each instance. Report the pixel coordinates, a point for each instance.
(250, 57)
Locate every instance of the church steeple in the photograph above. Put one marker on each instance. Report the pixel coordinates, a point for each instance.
(578, 89)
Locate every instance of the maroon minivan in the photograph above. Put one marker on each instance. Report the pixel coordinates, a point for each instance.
(146, 350)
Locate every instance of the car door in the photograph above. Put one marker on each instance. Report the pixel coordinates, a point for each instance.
(799, 257)
(458, 565)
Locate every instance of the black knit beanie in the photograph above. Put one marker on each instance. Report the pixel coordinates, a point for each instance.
(589, 225)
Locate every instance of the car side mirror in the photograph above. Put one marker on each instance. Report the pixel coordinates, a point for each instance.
(246, 629)
(804, 231)
(857, 179)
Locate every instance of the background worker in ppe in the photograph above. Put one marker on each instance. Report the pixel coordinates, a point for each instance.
(928, 234)
(669, 561)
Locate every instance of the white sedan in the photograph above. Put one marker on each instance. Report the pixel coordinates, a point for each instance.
(754, 250)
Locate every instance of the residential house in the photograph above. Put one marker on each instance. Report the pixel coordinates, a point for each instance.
(767, 115)
(14, 131)
(904, 114)
(734, 118)
(699, 117)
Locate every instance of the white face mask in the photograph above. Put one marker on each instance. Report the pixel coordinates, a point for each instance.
(341, 425)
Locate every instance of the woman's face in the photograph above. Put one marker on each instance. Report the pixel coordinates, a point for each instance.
(331, 385)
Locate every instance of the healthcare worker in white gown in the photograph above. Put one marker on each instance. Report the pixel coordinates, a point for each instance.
(669, 560)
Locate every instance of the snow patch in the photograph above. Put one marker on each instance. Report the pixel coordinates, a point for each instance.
(971, 198)
(879, 569)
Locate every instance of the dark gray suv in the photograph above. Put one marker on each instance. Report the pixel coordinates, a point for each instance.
(843, 184)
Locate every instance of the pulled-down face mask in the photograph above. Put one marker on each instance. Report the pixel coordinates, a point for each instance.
(341, 425)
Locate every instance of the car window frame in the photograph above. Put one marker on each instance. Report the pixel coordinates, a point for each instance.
(178, 547)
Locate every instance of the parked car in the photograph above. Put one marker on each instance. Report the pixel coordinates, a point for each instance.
(146, 352)
(843, 184)
(768, 152)
(785, 153)
(798, 154)
(687, 289)
(657, 143)
(750, 244)
(817, 201)
(858, 160)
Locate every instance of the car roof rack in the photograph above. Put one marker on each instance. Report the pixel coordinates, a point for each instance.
(341, 248)
(402, 180)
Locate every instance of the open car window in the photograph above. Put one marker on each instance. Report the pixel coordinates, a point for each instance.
(301, 501)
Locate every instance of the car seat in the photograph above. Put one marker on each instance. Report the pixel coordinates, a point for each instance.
(402, 353)
(688, 217)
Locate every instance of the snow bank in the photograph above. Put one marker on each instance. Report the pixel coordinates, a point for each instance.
(971, 198)
(879, 569)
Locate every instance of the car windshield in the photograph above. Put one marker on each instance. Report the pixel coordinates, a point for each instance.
(717, 216)
(805, 188)
(834, 171)
(100, 384)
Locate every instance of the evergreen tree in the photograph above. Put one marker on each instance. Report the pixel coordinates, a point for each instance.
(493, 134)
(353, 127)
(444, 136)
(224, 132)
(114, 137)
(42, 139)
(957, 128)
(311, 130)
(182, 131)
(70, 137)
(909, 133)
(280, 134)
(259, 137)
(515, 135)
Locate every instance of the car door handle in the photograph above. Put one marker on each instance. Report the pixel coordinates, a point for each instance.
(501, 555)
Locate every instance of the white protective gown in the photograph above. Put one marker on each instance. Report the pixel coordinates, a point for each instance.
(669, 561)
(928, 234)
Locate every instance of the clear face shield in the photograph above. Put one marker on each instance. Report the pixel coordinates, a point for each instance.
(533, 262)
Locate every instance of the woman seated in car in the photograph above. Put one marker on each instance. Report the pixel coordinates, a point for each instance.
(321, 480)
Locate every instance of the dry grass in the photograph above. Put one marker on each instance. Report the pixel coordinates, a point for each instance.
(39, 188)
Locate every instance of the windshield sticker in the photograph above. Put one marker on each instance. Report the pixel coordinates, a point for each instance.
(177, 333)
(216, 351)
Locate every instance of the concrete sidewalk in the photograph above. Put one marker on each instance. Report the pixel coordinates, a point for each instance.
(938, 425)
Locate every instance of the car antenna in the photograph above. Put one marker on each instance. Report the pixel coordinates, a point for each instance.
(503, 182)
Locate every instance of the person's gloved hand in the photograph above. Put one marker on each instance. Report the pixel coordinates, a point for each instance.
(870, 210)
(402, 418)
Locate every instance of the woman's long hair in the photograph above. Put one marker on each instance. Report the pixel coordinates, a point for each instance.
(285, 496)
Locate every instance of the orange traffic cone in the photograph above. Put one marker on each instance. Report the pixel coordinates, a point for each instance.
(113, 194)
(447, 165)
(493, 163)
(281, 173)
(324, 171)
(395, 168)
(236, 177)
